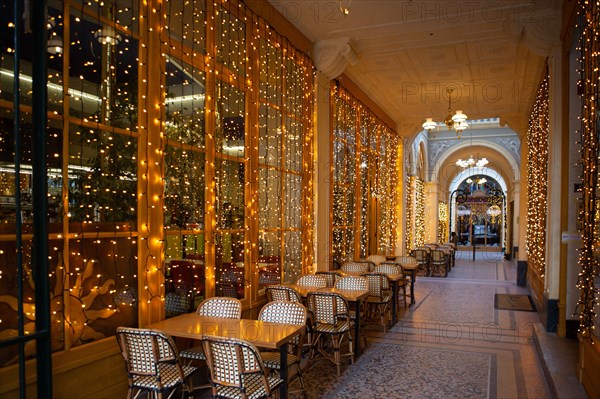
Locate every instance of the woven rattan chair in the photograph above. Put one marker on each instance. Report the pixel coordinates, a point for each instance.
(330, 276)
(439, 263)
(282, 293)
(376, 259)
(355, 268)
(228, 308)
(422, 257)
(312, 280)
(355, 283)
(379, 299)
(152, 362)
(237, 370)
(329, 312)
(390, 269)
(287, 313)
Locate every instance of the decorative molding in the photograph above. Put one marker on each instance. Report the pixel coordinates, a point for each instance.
(538, 30)
(512, 144)
(332, 56)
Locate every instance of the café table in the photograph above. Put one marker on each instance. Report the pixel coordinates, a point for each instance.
(259, 333)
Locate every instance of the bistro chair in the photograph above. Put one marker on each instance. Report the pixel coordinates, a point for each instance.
(224, 307)
(355, 268)
(379, 298)
(282, 293)
(312, 280)
(422, 257)
(330, 276)
(355, 283)
(286, 313)
(391, 269)
(237, 370)
(152, 363)
(439, 263)
(329, 312)
(376, 259)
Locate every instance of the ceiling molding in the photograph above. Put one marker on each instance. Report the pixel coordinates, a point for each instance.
(332, 56)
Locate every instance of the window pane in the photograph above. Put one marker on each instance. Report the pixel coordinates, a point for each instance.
(103, 181)
(293, 256)
(230, 194)
(229, 265)
(269, 136)
(293, 144)
(230, 132)
(293, 201)
(270, 72)
(269, 199)
(184, 188)
(230, 41)
(269, 259)
(186, 23)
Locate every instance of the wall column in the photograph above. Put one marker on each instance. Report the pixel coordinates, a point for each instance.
(554, 247)
(323, 173)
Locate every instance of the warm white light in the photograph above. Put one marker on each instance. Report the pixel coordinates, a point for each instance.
(55, 45)
(482, 162)
(107, 35)
(429, 124)
(459, 117)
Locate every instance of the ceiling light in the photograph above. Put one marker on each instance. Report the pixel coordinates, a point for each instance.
(456, 121)
(468, 163)
(107, 35)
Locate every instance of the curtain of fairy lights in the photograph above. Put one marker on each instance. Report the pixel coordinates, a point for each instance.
(248, 184)
(589, 276)
(410, 213)
(419, 213)
(387, 182)
(537, 173)
(92, 176)
(442, 233)
(364, 153)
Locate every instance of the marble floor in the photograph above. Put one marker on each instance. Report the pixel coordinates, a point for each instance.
(451, 343)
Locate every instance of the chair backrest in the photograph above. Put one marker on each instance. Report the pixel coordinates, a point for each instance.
(377, 283)
(330, 276)
(421, 255)
(355, 268)
(286, 312)
(229, 308)
(228, 359)
(282, 293)
(327, 307)
(376, 259)
(389, 268)
(352, 283)
(438, 256)
(406, 260)
(143, 350)
(312, 280)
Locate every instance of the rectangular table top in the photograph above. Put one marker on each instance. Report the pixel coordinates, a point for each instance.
(259, 333)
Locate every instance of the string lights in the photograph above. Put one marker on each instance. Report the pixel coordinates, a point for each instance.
(364, 169)
(197, 123)
(588, 279)
(537, 179)
(442, 233)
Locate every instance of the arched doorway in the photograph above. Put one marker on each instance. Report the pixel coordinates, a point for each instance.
(478, 212)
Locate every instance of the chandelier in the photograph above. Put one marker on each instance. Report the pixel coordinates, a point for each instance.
(469, 163)
(458, 121)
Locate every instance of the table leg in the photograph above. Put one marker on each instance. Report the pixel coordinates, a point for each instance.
(357, 330)
(394, 302)
(283, 371)
(413, 275)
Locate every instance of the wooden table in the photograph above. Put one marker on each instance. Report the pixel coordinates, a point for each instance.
(301, 289)
(259, 333)
(354, 296)
(412, 268)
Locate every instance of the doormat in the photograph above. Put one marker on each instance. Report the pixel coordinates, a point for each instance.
(514, 302)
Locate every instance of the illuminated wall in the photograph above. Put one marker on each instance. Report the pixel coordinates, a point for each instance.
(180, 163)
(365, 179)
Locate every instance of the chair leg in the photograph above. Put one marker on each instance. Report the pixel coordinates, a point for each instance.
(336, 352)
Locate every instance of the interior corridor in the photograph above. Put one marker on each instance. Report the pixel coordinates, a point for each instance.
(452, 343)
